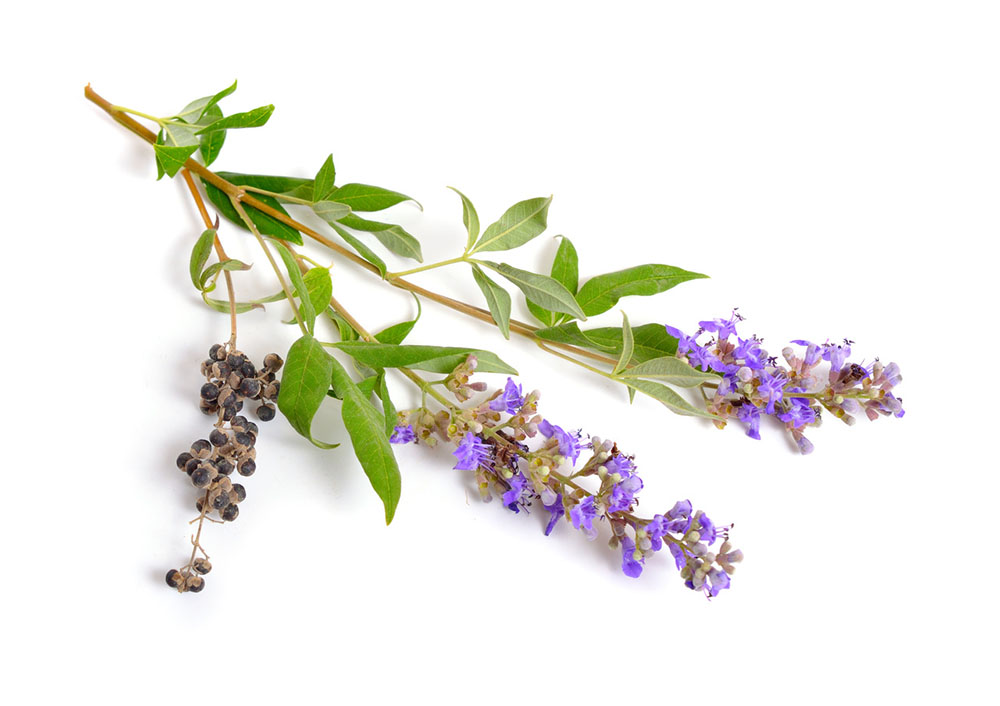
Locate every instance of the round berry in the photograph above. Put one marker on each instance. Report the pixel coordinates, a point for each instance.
(214, 351)
(231, 513)
(194, 583)
(183, 459)
(247, 370)
(252, 430)
(248, 467)
(209, 407)
(243, 439)
(235, 360)
(273, 362)
(206, 367)
(228, 413)
(250, 388)
(175, 579)
(218, 437)
(224, 466)
(210, 391)
(272, 390)
(202, 566)
(240, 491)
(192, 465)
(240, 423)
(201, 478)
(220, 501)
(202, 448)
(265, 412)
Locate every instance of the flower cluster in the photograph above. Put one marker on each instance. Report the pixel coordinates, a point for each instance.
(492, 440)
(753, 384)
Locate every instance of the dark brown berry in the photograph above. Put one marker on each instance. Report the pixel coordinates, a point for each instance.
(240, 423)
(202, 448)
(183, 459)
(194, 583)
(247, 370)
(201, 478)
(217, 352)
(235, 360)
(273, 362)
(220, 501)
(250, 388)
(202, 566)
(175, 578)
(210, 391)
(265, 412)
(218, 437)
(224, 466)
(241, 492)
(243, 439)
(231, 513)
(209, 407)
(247, 467)
(192, 465)
(272, 390)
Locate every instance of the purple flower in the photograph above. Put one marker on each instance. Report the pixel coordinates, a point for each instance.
(471, 453)
(684, 342)
(510, 400)
(700, 358)
(655, 530)
(402, 434)
(799, 414)
(707, 530)
(681, 508)
(556, 513)
(679, 555)
(623, 493)
(750, 352)
(770, 388)
(812, 354)
(750, 415)
(719, 580)
(569, 445)
(630, 565)
(583, 516)
(721, 327)
(512, 498)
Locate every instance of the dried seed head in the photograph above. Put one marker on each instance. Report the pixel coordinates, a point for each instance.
(240, 491)
(265, 412)
(240, 423)
(234, 380)
(202, 448)
(201, 478)
(250, 388)
(224, 466)
(183, 459)
(209, 407)
(194, 583)
(248, 467)
(248, 370)
(235, 360)
(210, 391)
(217, 352)
(218, 437)
(230, 513)
(202, 566)
(271, 391)
(220, 501)
(252, 430)
(273, 362)
(243, 440)
(175, 579)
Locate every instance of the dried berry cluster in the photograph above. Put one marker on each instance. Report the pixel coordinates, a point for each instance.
(232, 380)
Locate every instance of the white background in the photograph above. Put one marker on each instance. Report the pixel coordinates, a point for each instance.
(834, 167)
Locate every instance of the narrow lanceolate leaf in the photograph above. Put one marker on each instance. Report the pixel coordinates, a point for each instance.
(319, 287)
(268, 182)
(497, 299)
(251, 118)
(628, 346)
(264, 223)
(393, 237)
(398, 332)
(600, 293)
(363, 197)
(199, 255)
(434, 359)
(211, 144)
(667, 397)
(672, 371)
(543, 290)
(363, 250)
(522, 222)
(306, 310)
(366, 428)
(173, 158)
(323, 183)
(197, 109)
(470, 219)
(388, 408)
(565, 270)
(650, 340)
(222, 306)
(331, 211)
(225, 265)
(306, 378)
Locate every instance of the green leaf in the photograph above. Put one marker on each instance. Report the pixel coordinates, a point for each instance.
(277, 184)
(210, 145)
(628, 346)
(543, 290)
(522, 222)
(362, 249)
(497, 299)
(331, 211)
(319, 288)
(667, 397)
(393, 237)
(565, 270)
(366, 428)
(650, 340)
(199, 255)
(600, 293)
(179, 135)
(347, 332)
(306, 378)
(265, 223)
(670, 370)
(251, 118)
(197, 109)
(367, 387)
(434, 359)
(363, 197)
(173, 158)
(323, 183)
(222, 305)
(227, 265)
(397, 332)
(388, 408)
(306, 309)
(469, 218)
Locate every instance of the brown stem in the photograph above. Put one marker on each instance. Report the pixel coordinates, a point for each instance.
(239, 194)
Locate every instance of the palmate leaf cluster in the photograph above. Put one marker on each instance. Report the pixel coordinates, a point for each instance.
(558, 300)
